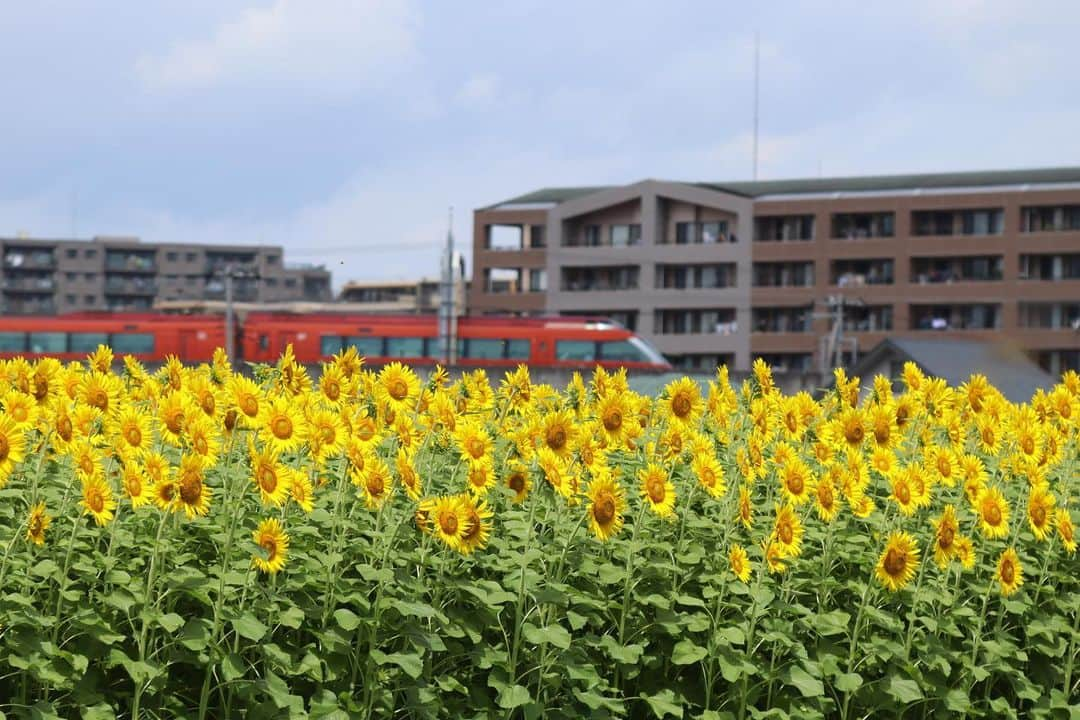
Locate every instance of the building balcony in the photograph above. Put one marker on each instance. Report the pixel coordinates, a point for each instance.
(37, 260)
(130, 286)
(130, 264)
(28, 284)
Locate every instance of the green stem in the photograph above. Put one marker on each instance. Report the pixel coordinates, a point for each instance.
(909, 636)
(139, 689)
(519, 607)
(852, 644)
(628, 584)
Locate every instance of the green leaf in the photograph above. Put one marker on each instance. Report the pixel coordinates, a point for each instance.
(232, 667)
(293, 618)
(664, 703)
(412, 664)
(171, 622)
(248, 626)
(45, 568)
(687, 652)
(848, 682)
(904, 690)
(628, 654)
(347, 619)
(836, 622)
(957, 701)
(514, 696)
(555, 635)
(806, 683)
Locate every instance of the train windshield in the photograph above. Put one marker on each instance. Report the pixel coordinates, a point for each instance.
(633, 349)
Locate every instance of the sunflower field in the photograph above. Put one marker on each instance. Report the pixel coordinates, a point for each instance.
(197, 542)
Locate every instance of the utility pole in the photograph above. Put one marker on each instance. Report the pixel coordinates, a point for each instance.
(446, 304)
(230, 333)
(832, 345)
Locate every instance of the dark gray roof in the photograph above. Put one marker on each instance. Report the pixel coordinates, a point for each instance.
(1005, 366)
(868, 183)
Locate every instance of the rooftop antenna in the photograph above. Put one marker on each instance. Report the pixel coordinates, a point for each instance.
(447, 318)
(757, 44)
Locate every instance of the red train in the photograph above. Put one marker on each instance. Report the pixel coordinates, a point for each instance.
(262, 336)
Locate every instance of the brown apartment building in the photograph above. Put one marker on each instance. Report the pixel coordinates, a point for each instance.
(726, 272)
(45, 277)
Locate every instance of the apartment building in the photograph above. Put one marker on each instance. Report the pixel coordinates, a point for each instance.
(44, 277)
(418, 297)
(726, 272)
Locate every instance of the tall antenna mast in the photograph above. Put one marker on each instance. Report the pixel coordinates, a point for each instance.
(447, 324)
(757, 44)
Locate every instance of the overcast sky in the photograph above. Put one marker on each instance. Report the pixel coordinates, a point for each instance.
(344, 129)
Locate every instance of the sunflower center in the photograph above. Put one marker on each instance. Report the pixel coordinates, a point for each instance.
(786, 533)
(476, 447)
(881, 433)
(98, 398)
(1038, 515)
(556, 438)
(5, 448)
(854, 434)
(209, 405)
(398, 389)
(681, 405)
(332, 390)
(269, 544)
(134, 436)
(95, 500)
(1008, 571)
(1028, 445)
(944, 466)
(448, 521)
(282, 427)
(328, 434)
(791, 421)
(230, 420)
(375, 484)
(166, 492)
(657, 489)
(708, 477)
(133, 485)
(35, 525)
(825, 495)
(472, 527)
(987, 434)
(604, 509)
(992, 513)
(516, 482)
(64, 428)
(249, 405)
(901, 416)
(795, 484)
(190, 490)
(21, 413)
(946, 537)
(903, 493)
(174, 421)
(41, 388)
(895, 562)
(268, 480)
(201, 445)
(612, 420)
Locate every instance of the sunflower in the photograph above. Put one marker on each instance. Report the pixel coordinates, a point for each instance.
(746, 507)
(657, 490)
(12, 447)
(902, 491)
(274, 541)
(614, 412)
(172, 414)
(739, 562)
(1066, 530)
(518, 481)
(268, 474)
(398, 386)
(851, 426)
(556, 472)
(172, 373)
(942, 465)
(97, 499)
(449, 520)
(946, 530)
(21, 408)
(774, 557)
(37, 522)
(516, 387)
(334, 387)
(882, 422)
(247, 398)
(101, 391)
(796, 482)
(825, 499)
(557, 432)
(166, 494)
(965, 551)
(898, 561)
(156, 466)
(787, 531)
(62, 425)
(989, 435)
(883, 460)
(480, 476)
(325, 434)
(1040, 510)
(134, 481)
(410, 478)
(607, 504)
(993, 513)
(132, 431)
(193, 493)
(1010, 573)
(85, 458)
(301, 490)
(376, 483)
(44, 386)
(475, 442)
(283, 425)
(86, 420)
(709, 473)
(477, 526)
(203, 438)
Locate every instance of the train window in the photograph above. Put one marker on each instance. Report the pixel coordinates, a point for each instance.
(621, 350)
(132, 342)
(404, 347)
(582, 350)
(12, 342)
(87, 342)
(48, 342)
(366, 346)
(517, 349)
(431, 348)
(483, 349)
(330, 344)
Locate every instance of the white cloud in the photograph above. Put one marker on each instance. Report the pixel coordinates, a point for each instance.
(323, 46)
(479, 90)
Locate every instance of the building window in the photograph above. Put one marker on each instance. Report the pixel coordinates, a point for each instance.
(537, 236)
(625, 235)
(70, 299)
(272, 259)
(290, 282)
(89, 299)
(711, 276)
(71, 253)
(271, 282)
(851, 226)
(537, 280)
(783, 228)
(703, 233)
(90, 277)
(867, 318)
(781, 319)
(172, 256)
(856, 273)
(957, 269)
(975, 316)
(504, 281)
(1050, 315)
(783, 274)
(704, 321)
(1050, 218)
(1050, 266)
(958, 222)
(624, 277)
(71, 277)
(504, 237)
(191, 257)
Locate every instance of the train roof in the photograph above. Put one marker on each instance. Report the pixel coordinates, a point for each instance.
(544, 321)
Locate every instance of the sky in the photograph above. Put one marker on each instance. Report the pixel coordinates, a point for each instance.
(345, 130)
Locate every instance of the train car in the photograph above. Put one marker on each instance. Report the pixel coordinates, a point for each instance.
(148, 337)
(578, 343)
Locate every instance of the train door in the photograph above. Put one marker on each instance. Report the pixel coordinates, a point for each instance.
(195, 345)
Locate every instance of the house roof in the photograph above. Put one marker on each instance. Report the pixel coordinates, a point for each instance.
(1005, 366)
(867, 183)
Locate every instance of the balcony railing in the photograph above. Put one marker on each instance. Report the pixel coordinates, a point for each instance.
(29, 261)
(130, 263)
(130, 286)
(28, 284)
